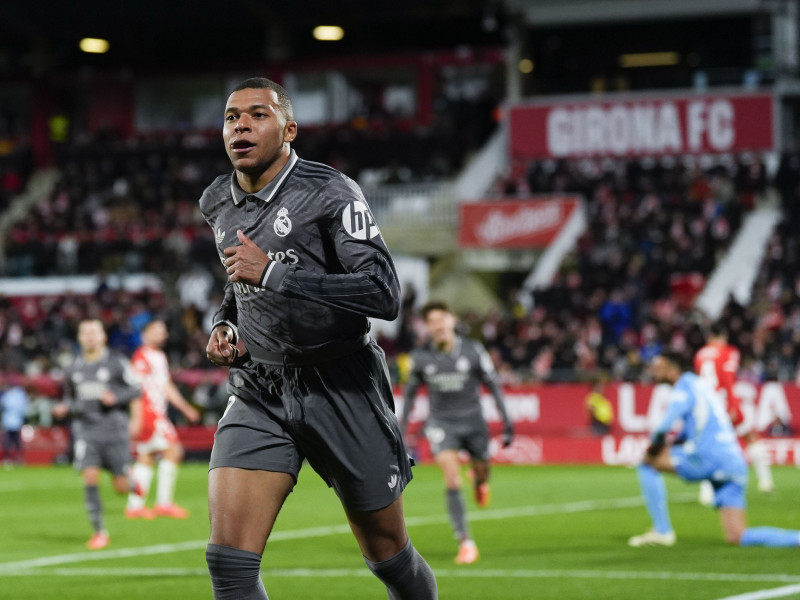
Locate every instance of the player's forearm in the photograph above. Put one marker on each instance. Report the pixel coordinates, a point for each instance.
(372, 291)
(227, 312)
(409, 395)
(499, 400)
(175, 397)
(125, 395)
(674, 412)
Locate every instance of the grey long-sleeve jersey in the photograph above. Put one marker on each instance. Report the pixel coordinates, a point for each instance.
(84, 385)
(453, 381)
(329, 268)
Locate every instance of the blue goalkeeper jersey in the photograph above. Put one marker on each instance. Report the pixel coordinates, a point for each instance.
(706, 428)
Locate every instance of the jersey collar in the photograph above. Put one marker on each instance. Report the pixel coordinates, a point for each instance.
(268, 191)
(456, 350)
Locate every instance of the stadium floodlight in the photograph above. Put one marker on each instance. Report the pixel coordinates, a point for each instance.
(328, 33)
(526, 66)
(94, 45)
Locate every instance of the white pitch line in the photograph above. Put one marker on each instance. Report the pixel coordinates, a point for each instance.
(311, 532)
(780, 592)
(20, 486)
(459, 573)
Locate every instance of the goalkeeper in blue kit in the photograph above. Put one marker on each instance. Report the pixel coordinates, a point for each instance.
(706, 448)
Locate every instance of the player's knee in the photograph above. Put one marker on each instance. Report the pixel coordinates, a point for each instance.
(235, 573)
(121, 484)
(733, 537)
(733, 534)
(453, 482)
(406, 575)
(174, 453)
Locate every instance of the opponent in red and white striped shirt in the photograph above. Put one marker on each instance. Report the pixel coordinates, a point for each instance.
(718, 363)
(154, 434)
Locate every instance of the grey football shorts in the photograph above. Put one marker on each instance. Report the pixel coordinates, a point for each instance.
(112, 456)
(338, 415)
(472, 436)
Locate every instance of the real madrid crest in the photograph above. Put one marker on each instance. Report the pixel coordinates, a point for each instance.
(283, 224)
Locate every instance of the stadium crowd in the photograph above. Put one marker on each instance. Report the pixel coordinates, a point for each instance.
(656, 230)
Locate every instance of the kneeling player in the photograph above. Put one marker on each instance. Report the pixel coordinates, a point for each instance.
(708, 449)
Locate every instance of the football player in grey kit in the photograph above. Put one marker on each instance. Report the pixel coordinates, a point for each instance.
(98, 388)
(453, 369)
(306, 267)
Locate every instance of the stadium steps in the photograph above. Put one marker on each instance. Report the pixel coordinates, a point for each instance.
(737, 271)
(39, 185)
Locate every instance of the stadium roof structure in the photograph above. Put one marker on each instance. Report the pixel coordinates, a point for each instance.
(41, 36)
(573, 12)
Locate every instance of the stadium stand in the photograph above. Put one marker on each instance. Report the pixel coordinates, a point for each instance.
(657, 230)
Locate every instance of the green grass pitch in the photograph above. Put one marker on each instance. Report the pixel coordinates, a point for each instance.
(555, 532)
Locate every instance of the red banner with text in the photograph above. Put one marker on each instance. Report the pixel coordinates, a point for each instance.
(550, 421)
(523, 223)
(552, 425)
(643, 126)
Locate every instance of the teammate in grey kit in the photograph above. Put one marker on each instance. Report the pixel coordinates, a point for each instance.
(306, 266)
(98, 387)
(453, 369)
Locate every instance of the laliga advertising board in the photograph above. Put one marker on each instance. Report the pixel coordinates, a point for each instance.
(551, 425)
(643, 125)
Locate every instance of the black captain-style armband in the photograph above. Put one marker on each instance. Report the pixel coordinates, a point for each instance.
(657, 444)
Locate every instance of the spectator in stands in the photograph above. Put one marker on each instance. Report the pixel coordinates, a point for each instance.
(599, 409)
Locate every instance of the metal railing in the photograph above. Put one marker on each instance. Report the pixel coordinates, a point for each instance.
(413, 204)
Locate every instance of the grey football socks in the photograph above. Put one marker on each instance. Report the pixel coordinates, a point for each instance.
(406, 575)
(458, 514)
(94, 506)
(235, 574)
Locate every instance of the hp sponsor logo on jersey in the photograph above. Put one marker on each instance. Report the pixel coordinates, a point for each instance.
(282, 225)
(358, 221)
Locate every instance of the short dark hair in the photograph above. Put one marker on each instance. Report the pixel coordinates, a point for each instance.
(679, 359)
(433, 305)
(717, 330)
(261, 83)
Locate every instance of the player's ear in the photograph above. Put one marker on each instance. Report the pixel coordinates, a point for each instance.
(290, 131)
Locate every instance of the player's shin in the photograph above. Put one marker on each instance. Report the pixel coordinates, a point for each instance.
(772, 537)
(235, 574)
(655, 497)
(759, 457)
(94, 506)
(457, 513)
(141, 476)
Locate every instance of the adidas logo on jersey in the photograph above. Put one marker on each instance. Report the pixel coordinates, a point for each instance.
(219, 235)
